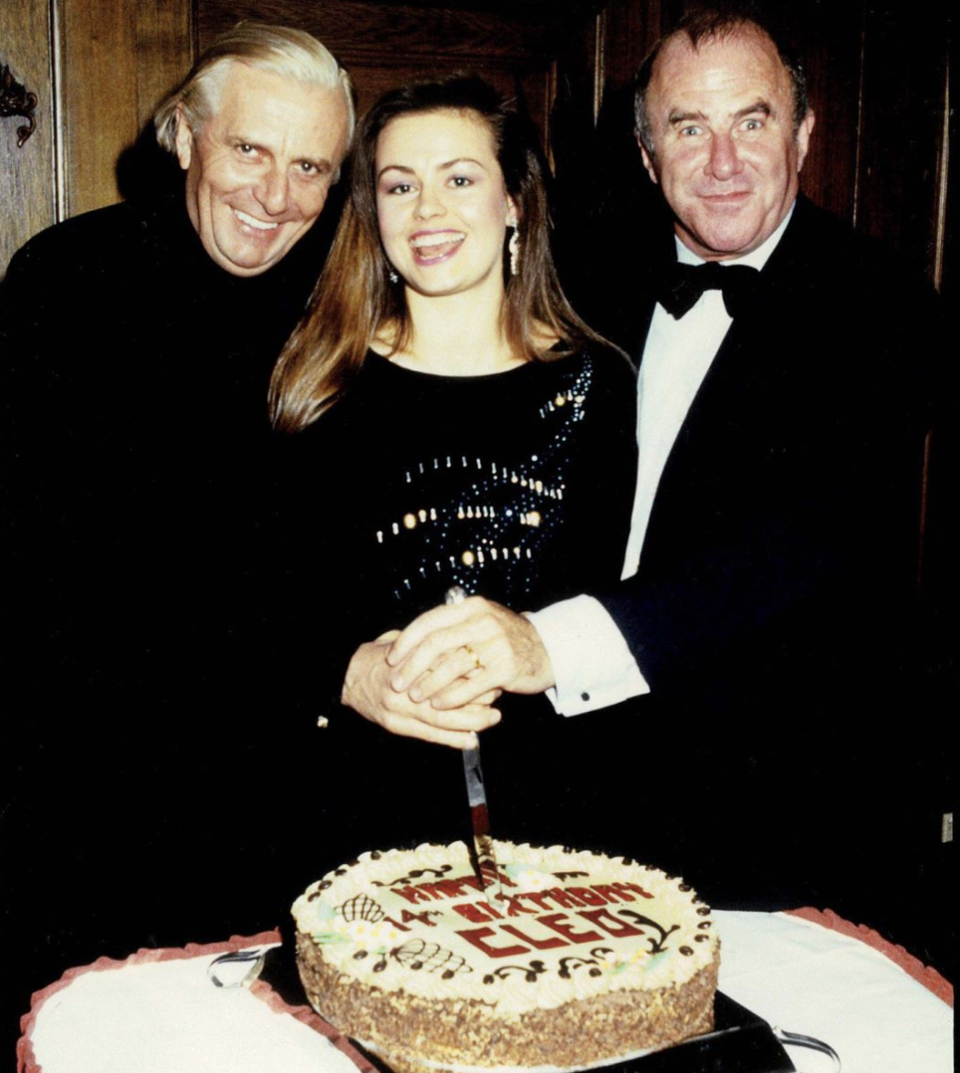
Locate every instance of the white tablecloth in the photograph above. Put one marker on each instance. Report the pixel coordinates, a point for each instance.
(158, 1012)
(807, 979)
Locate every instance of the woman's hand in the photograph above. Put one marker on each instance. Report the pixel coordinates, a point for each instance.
(367, 690)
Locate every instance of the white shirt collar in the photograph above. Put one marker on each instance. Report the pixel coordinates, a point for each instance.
(754, 259)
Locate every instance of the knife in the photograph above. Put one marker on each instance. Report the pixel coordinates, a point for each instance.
(483, 857)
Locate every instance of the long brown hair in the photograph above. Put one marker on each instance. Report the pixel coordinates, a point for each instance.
(354, 297)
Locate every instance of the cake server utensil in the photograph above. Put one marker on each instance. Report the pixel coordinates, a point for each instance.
(484, 857)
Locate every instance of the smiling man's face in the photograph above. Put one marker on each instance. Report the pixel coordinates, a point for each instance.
(260, 169)
(724, 150)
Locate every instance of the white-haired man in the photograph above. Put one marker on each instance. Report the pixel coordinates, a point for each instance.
(137, 344)
(260, 127)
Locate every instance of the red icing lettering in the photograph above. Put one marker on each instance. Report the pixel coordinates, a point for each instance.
(514, 908)
(540, 944)
(621, 889)
(452, 888)
(435, 890)
(406, 916)
(559, 922)
(492, 910)
(614, 926)
(587, 896)
(475, 913)
(412, 894)
(397, 924)
(609, 893)
(537, 897)
(477, 936)
(637, 889)
(564, 898)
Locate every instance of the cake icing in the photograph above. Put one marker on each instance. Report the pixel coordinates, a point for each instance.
(576, 958)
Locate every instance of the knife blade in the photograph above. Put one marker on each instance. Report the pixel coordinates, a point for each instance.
(484, 857)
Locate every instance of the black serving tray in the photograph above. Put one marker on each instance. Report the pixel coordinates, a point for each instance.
(741, 1042)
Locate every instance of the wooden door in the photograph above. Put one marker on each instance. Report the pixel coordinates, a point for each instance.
(27, 141)
(97, 68)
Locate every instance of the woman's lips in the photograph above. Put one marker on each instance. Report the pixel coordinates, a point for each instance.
(433, 247)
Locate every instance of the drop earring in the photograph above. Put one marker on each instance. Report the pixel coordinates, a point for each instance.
(513, 246)
(392, 274)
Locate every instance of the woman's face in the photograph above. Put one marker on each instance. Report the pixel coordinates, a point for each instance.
(441, 203)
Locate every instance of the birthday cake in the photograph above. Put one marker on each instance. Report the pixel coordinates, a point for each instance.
(558, 958)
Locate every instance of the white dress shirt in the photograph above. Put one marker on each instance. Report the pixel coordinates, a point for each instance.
(592, 662)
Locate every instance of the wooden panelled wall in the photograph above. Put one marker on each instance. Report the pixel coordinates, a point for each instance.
(878, 75)
(98, 68)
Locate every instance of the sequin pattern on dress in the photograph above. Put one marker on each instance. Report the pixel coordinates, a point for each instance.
(483, 521)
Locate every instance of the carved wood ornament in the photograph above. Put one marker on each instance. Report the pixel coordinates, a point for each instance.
(16, 99)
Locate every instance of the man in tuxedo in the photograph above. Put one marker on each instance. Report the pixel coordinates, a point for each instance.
(767, 603)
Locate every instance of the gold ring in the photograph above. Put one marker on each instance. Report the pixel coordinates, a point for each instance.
(476, 659)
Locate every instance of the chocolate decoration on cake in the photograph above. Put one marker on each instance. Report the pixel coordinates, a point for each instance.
(583, 960)
(529, 972)
(569, 964)
(361, 907)
(417, 954)
(656, 947)
(416, 873)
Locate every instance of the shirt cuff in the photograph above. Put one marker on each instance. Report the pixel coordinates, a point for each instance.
(592, 664)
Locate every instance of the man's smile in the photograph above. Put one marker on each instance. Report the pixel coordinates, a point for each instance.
(252, 221)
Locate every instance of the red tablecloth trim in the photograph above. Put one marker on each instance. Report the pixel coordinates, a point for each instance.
(930, 978)
(26, 1060)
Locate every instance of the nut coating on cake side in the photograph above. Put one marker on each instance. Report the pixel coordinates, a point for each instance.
(584, 959)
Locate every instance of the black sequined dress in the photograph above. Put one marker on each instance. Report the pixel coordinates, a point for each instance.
(518, 486)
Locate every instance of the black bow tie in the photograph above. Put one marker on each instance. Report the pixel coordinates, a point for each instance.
(684, 284)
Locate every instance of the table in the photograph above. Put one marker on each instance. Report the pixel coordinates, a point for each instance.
(806, 978)
(158, 1012)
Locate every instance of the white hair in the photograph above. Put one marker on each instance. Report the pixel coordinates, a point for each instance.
(291, 54)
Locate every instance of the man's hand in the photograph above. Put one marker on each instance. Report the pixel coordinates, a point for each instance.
(367, 690)
(454, 655)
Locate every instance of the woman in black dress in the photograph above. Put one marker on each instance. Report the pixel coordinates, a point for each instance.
(455, 423)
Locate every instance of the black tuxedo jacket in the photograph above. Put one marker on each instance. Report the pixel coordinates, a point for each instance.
(774, 609)
(783, 540)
